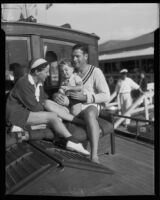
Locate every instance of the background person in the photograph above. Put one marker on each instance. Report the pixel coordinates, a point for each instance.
(25, 104)
(12, 75)
(123, 90)
(18, 71)
(143, 81)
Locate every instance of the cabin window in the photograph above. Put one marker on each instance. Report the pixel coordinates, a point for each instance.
(57, 50)
(17, 50)
(17, 57)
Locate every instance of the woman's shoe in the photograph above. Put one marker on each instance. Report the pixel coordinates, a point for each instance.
(78, 147)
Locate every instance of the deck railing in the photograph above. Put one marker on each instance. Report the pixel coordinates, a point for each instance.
(132, 118)
(146, 102)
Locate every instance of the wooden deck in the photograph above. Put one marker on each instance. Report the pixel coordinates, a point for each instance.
(133, 164)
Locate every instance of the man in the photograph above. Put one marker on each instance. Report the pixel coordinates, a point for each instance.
(25, 104)
(96, 91)
(143, 81)
(18, 71)
(123, 90)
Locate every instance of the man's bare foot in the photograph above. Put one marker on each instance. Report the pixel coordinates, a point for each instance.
(95, 159)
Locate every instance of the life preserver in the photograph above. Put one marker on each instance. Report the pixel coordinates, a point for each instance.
(111, 80)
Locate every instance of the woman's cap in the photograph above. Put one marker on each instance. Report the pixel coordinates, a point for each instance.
(38, 62)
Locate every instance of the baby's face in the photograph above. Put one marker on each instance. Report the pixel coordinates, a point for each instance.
(66, 71)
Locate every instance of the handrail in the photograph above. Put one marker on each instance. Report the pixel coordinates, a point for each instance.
(134, 105)
(133, 118)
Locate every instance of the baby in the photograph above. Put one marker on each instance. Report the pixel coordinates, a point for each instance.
(70, 81)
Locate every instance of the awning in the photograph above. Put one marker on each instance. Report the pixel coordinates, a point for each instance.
(126, 54)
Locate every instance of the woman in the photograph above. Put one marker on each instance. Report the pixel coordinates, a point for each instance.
(25, 105)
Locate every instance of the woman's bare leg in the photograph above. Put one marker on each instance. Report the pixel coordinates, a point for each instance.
(56, 125)
(61, 111)
(49, 118)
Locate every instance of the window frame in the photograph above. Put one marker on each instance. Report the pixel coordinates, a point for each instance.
(19, 38)
(54, 41)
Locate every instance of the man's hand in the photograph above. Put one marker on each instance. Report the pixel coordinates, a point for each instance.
(61, 99)
(77, 95)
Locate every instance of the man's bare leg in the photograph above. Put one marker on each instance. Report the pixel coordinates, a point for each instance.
(90, 116)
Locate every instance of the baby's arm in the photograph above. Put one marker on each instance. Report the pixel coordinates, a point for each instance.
(73, 88)
(62, 89)
(78, 84)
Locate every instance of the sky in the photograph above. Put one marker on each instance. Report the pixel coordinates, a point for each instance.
(110, 21)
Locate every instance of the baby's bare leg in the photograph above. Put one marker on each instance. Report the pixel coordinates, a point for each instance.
(76, 109)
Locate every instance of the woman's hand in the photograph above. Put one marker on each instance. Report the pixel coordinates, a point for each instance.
(61, 99)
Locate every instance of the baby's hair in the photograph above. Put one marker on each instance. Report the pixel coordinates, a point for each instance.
(51, 56)
(65, 61)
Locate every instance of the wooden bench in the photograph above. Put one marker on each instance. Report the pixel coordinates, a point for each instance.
(106, 141)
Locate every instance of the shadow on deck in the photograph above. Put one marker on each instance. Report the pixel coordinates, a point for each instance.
(133, 164)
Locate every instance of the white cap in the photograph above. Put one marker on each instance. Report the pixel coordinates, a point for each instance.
(38, 62)
(123, 71)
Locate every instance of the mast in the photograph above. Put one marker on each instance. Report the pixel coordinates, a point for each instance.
(25, 7)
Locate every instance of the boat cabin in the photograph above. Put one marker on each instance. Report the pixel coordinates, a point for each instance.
(25, 41)
(39, 167)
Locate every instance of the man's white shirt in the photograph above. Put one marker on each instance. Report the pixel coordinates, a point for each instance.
(126, 85)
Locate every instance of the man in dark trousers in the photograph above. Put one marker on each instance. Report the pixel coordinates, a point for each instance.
(143, 81)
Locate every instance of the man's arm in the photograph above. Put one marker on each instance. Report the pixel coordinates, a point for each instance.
(134, 85)
(102, 92)
(100, 86)
(78, 96)
(76, 88)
